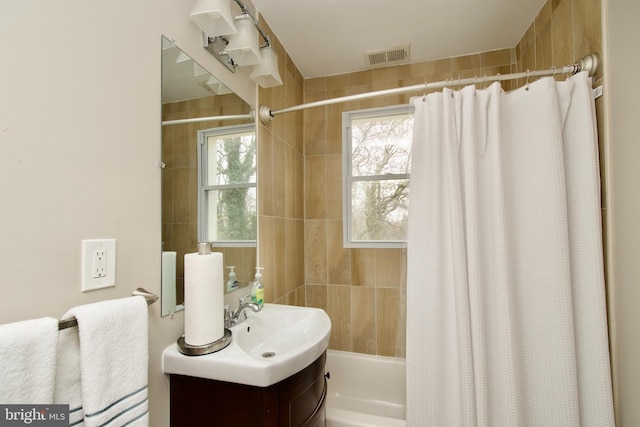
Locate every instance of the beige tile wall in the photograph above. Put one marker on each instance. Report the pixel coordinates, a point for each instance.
(563, 31)
(280, 187)
(300, 243)
(180, 182)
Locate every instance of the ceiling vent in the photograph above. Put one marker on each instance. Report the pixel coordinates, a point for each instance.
(391, 56)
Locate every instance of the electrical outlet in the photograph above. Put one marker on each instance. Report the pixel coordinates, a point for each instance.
(98, 264)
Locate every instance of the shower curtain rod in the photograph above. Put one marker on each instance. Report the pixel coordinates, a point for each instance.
(589, 63)
(207, 119)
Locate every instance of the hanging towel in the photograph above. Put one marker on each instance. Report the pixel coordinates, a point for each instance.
(28, 361)
(113, 341)
(68, 390)
(168, 282)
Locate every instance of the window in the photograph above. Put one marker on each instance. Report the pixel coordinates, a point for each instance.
(376, 167)
(227, 186)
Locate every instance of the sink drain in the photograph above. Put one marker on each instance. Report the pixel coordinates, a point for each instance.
(268, 354)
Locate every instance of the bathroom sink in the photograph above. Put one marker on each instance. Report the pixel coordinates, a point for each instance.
(268, 347)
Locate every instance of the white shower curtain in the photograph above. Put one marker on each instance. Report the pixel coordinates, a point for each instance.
(506, 316)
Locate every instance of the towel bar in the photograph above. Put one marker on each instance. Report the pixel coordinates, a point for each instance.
(72, 321)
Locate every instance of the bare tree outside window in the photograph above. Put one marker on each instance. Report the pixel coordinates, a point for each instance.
(236, 207)
(379, 175)
(228, 189)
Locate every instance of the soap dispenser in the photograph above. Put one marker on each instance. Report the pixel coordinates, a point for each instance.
(257, 289)
(232, 283)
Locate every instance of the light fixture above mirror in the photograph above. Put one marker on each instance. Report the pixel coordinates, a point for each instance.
(266, 73)
(243, 46)
(214, 17)
(234, 41)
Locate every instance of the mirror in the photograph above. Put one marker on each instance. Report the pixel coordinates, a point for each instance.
(194, 206)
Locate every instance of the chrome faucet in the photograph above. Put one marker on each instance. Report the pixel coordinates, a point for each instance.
(239, 316)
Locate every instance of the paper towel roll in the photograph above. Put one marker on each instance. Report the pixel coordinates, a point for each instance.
(168, 282)
(203, 298)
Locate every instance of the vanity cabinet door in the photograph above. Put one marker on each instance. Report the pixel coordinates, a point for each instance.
(303, 397)
(293, 402)
(199, 402)
(318, 417)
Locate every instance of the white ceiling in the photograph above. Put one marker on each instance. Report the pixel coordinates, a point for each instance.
(327, 37)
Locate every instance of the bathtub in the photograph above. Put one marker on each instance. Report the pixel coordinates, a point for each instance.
(365, 390)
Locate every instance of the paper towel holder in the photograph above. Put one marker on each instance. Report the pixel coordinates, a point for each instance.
(200, 350)
(204, 248)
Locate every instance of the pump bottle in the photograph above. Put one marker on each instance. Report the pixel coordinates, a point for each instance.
(257, 288)
(232, 283)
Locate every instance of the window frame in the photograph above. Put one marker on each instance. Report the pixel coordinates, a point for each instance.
(348, 179)
(203, 187)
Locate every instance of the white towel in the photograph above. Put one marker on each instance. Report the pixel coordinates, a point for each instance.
(68, 390)
(28, 361)
(168, 282)
(113, 362)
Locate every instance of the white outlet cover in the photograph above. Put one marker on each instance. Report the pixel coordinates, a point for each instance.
(88, 282)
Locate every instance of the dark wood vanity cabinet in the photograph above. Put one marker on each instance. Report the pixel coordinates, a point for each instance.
(293, 402)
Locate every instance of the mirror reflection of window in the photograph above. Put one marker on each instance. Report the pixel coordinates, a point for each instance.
(227, 186)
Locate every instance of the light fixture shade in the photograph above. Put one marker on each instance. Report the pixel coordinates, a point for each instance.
(214, 84)
(217, 87)
(243, 47)
(214, 17)
(266, 74)
(185, 62)
(189, 65)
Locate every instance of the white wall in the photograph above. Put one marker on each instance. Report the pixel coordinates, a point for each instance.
(622, 62)
(79, 146)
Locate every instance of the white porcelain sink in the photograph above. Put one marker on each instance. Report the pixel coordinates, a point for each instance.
(268, 347)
